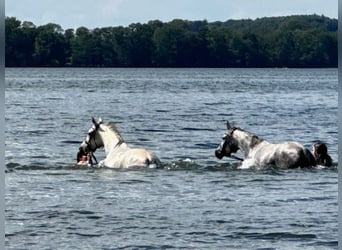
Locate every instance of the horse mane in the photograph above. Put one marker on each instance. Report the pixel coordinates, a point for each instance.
(255, 139)
(112, 126)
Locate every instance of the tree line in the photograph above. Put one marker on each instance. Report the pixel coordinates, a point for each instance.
(292, 41)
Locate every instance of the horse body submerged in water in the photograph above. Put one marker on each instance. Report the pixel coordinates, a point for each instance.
(260, 153)
(118, 153)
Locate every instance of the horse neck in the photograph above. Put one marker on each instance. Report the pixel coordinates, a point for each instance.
(111, 140)
(244, 140)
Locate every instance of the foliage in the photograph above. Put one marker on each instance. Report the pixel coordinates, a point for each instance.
(293, 41)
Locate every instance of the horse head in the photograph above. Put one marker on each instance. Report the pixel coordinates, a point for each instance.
(93, 140)
(229, 144)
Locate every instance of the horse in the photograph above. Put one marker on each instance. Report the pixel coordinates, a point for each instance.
(260, 153)
(118, 153)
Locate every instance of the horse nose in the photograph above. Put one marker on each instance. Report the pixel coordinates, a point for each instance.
(218, 153)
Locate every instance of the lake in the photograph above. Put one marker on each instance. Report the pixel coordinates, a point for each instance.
(196, 201)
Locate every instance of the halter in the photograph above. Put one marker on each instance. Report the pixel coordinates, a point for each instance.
(234, 156)
(96, 145)
(88, 141)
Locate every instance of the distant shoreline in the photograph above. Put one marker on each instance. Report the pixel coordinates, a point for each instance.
(300, 41)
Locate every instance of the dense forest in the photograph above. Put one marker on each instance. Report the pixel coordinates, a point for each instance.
(292, 41)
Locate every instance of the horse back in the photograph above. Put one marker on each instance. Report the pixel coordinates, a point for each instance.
(299, 156)
(285, 155)
(138, 157)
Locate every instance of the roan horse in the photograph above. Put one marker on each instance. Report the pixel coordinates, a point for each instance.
(118, 153)
(260, 153)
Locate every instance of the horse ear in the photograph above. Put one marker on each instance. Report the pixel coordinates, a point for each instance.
(94, 121)
(100, 120)
(228, 125)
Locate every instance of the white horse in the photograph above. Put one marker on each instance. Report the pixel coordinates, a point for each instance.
(118, 153)
(260, 153)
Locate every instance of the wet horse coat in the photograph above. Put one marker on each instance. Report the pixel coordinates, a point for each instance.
(260, 153)
(118, 153)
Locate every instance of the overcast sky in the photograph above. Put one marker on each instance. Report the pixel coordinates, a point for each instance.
(104, 13)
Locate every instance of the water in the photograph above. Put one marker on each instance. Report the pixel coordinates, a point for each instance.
(196, 201)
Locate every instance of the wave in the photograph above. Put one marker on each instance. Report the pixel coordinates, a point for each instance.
(276, 235)
(173, 165)
(12, 166)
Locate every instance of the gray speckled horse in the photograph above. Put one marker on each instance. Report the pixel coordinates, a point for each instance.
(118, 153)
(260, 153)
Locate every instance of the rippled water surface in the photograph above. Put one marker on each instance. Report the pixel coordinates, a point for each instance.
(196, 201)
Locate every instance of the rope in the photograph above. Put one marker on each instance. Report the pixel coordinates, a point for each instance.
(236, 158)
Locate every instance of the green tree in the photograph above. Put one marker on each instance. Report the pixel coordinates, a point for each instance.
(169, 42)
(292, 41)
(81, 45)
(140, 44)
(19, 42)
(220, 54)
(50, 46)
